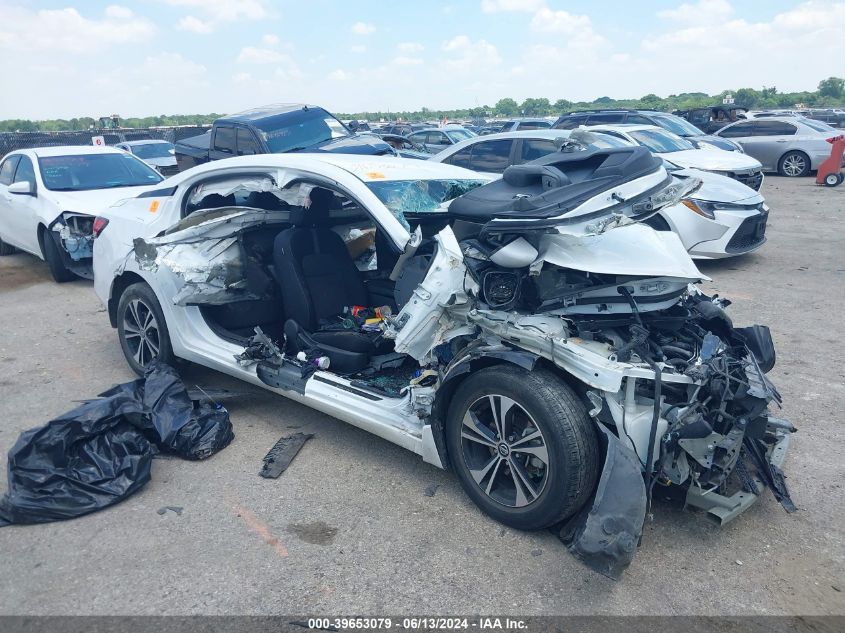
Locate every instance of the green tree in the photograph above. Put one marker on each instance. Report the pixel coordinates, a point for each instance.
(535, 107)
(832, 87)
(506, 107)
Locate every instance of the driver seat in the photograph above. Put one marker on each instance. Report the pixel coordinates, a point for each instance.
(318, 280)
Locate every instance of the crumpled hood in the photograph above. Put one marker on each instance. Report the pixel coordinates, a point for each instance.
(712, 160)
(93, 202)
(632, 249)
(718, 188)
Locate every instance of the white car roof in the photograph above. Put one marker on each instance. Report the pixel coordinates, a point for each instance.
(625, 127)
(71, 150)
(545, 133)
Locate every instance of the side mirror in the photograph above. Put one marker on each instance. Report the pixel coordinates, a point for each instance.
(22, 187)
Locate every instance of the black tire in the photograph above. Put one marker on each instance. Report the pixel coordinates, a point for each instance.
(789, 164)
(136, 304)
(7, 249)
(54, 261)
(545, 403)
(831, 180)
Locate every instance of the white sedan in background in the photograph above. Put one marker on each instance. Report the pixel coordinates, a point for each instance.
(158, 154)
(682, 153)
(50, 196)
(722, 218)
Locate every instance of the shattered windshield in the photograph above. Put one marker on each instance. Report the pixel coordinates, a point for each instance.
(660, 141)
(419, 196)
(299, 130)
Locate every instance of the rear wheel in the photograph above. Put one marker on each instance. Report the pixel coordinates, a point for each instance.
(7, 249)
(831, 180)
(141, 328)
(522, 445)
(794, 164)
(53, 257)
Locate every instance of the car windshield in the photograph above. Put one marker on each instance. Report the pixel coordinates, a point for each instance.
(660, 141)
(419, 196)
(677, 125)
(299, 130)
(153, 150)
(459, 135)
(95, 171)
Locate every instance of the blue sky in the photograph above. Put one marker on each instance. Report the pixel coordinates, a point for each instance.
(64, 58)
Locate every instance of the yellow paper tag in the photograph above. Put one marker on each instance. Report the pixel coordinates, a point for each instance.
(375, 175)
(153, 206)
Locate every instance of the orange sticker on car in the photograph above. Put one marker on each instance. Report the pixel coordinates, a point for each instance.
(153, 206)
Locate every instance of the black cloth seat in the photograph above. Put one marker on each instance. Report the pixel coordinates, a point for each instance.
(318, 280)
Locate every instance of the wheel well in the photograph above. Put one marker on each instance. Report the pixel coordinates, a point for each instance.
(118, 286)
(793, 151)
(440, 408)
(42, 231)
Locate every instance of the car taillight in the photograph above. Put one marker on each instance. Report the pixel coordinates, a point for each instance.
(99, 224)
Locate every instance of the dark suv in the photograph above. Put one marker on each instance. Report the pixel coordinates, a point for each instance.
(670, 122)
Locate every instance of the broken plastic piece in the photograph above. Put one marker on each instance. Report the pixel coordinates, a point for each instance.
(605, 534)
(277, 460)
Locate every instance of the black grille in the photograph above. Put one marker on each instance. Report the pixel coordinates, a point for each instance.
(750, 234)
(753, 180)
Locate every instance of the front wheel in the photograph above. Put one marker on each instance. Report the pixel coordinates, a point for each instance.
(141, 328)
(53, 257)
(794, 164)
(522, 445)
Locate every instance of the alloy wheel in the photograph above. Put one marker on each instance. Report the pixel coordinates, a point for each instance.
(141, 331)
(794, 165)
(505, 451)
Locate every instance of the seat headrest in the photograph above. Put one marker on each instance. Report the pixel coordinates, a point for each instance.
(317, 214)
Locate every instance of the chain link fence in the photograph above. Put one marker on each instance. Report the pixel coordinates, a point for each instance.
(10, 141)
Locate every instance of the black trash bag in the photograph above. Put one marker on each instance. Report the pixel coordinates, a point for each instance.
(100, 453)
(177, 424)
(85, 460)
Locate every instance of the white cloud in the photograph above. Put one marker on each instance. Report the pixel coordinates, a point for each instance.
(254, 55)
(406, 61)
(496, 6)
(468, 55)
(270, 40)
(410, 47)
(548, 21)
(358, 48)
(703, 11)
(363, 28)
(217, 12)
(340, 75)
(195, 25)
(67, 30)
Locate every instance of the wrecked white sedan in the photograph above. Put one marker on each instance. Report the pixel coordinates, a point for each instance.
(49, 197)
(529, 333)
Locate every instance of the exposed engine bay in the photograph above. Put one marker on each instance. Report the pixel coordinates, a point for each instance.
(74, 237)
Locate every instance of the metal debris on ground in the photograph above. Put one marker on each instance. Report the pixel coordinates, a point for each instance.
(431, 490)
(277, 460)
(176, 509)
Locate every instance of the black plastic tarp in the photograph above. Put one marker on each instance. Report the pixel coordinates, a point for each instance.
(100, 452)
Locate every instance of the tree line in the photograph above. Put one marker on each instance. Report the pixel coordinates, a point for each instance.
(830, 93)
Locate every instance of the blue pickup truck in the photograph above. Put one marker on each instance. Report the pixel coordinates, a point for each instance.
(274, 130)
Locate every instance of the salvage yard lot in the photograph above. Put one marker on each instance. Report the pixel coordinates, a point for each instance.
(351, 527)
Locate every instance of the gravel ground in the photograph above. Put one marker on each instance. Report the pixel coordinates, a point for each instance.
(349, 528)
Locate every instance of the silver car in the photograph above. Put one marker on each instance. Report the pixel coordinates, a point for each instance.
(158, 154)
(792, 146)
(437, 139)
